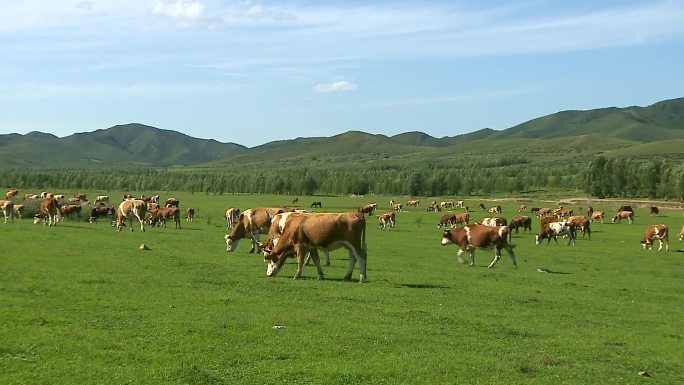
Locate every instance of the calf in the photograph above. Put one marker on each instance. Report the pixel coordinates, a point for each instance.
(386, 220)
(309, 232)
(554, 229)
(629, 215)
(162, 214)
(659, 232)
(471, 237)
(367, 209)
(7, 208)
(189, 214)
(232, 215)
(521, 221)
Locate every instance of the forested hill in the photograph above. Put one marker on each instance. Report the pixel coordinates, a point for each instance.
(631, 131)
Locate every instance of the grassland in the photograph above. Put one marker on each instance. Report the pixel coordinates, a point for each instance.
(80, 304)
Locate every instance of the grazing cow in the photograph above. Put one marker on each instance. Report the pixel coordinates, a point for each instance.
(470, 237)
(189, 214)
(447, 220)
(129, 209)
(434, 208)
(555, 229)
(495, 209)
(460, 204)
(494, 221)
(446, 205)
(19, 210)
(126, 196)
(413, 202)
(629, 215)
(49, 211)
(101, 211)
(368, 209)
(71, 211)
(521, 221)
(73, 201)
(562, 213)
(162, 214)
(581, 223)
(232, 215)
(522, 208)
(250, 224)
(7, 208)
(11, 194)
(316, 204)
(102, 199)
(386, 220)
(659, 232)
(681, 234)
(172, 202)
(277, 226)
(654, 210)
(597, 215)
(543, 212)
(308, 233)
(483, 207)
(535, 211)
(397, 207)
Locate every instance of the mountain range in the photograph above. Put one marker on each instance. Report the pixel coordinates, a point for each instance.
(632, 131)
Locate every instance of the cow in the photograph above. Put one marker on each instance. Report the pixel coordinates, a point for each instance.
(19, 210)
(581, 223)
(471, 237)
(154, 199)
(596, 215)
(316, 204)
(413, 203)
(129, 209)
(73, 201)
(71, 211)
(189, 214)
(545, 221)
(43, 194)
(101, 211)
(60, 198)
(460, 204)
(7, 207)
(624, 214)
(654, 210)
(447, 220)
(368, 209)
(31, 197)
(126, 196)
(521, 221)
(562, 213)
(172, 202)
(446, 205)
(535, 211)
(483, 207)
(681, 234)
(80, 197)
(659, 232)
(397, 207)
(496, 209)
(386, 220)
(232, 214)
(160, 216)
(494, 221)
(522, 208)
(277, 226)
(555, 229)
(543, 212)
(49, 211)
(295, 201)
(11, 194)
(308, 233)
(102, 199)
(251, 223)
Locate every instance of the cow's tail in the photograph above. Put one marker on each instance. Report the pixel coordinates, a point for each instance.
(508, 238)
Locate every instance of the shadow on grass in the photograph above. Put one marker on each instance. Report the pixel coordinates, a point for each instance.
(421, 286)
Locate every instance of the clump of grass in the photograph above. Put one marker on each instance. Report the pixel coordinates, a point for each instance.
(419, 221)
(209, 219)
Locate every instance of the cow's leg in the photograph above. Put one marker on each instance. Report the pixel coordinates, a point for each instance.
(471, 251)
(459, 256)
(317, 260)
(327, 257)
(301, 253)
(350, 269)
(255, 242)
(497, 256)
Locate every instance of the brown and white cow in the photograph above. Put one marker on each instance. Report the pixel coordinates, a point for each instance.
(102, 199)
(232, 215)
(597, 215)
(494, 221)
(189, 214)
(172, 202)
(101, 211)
(522, 208)
(368, 209)
(307, 233)
(562, 213)
(496, 209)
(277, 226)
(386, 220)
(162, 214)
(80, 197)
(629, 215)
(543, 212)
(11, 194)
(446, 205)
(397, 207)
(555, 229)
(654, 210)
(19, 210)
(31, 196)
(7, 207)
(49, 211)
(71, 211)
(523, 221)
(581, 223)
(681, 234)
(659, 232)
(413, 202)
(471, 237)
(250, 224)
(129, 209)
(460, 204)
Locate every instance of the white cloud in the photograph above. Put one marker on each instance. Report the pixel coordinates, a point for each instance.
(179, 10)
(338, 86)
(258, 11)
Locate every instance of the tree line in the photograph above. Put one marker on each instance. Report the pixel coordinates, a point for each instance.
(600, 177)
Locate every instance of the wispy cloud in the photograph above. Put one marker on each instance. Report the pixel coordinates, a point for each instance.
(337, 86)
(180, 11)
(461, 98)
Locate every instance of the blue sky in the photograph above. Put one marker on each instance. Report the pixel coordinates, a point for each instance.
(251, 72)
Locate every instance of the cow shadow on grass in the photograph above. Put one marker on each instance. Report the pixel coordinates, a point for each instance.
(420, 286)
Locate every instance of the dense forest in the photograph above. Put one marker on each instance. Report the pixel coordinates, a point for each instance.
(601, 177)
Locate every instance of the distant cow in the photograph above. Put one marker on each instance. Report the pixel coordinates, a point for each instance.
(397, 207)
(71, 211)
(460, 204)
(471, 237)
(172, 202)
(101, 211)
(413, 202)
(543, 212)
(316, 204)
(659, 232)
(494, 221)
(307, 233)
(555, 229)
(189, 214)
(522, 208)
(102, 199)
(654, 210)
(19, 210)
(386, 220)
(629, 215)
(495, 209)
(523, 222)
(368, 209)
(129, 209)
(162, 214)
(295, 201)
(232, 215)
(483, 207)
(80, 197)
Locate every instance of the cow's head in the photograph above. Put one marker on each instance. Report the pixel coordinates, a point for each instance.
(446, 238)
(37, 218)
(231, 244)
(274, 263)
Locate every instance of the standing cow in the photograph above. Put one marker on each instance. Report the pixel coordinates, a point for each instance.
(471, 237)
(129, 209)
(554, 229)
(659, 232)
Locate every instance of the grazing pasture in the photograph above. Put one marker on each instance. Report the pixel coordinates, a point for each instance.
(81, 304)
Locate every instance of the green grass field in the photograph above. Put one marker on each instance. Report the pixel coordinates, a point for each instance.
(80, 304)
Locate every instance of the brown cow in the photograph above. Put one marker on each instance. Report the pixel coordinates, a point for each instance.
(71, 211)
(129, 209)
(101, 211)
(189, 214)
(581, 223)
(277, 226)
(19, 210)
(250, 224)
(654, 210)
(162, 214)
(368, 209)
(521, 221)
(597, 215)
(494, 221)
(231, 216)
(386, 220)
(629, 215)
(307, 233)
(49, 211)
(7, 208)
(522, 208)
(470, 237)
(681, 234)
(659, 232)
(413, 203)
(545, 221)
(11, 194)
(397, 207)
(172, 202)
(562, 213)
(80, 197)
(543, 212)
